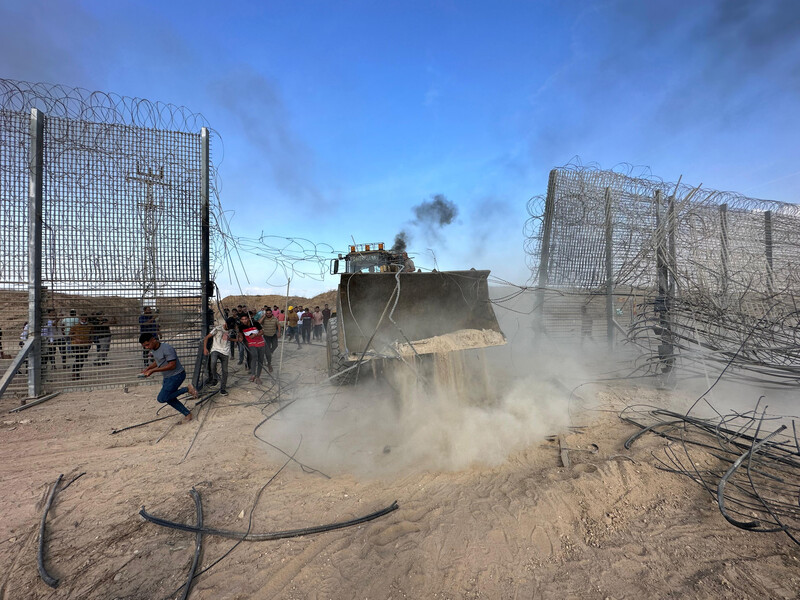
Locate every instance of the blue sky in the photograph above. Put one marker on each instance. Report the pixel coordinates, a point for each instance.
(337, 118)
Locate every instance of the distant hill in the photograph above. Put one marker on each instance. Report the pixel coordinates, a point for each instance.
(256, 302)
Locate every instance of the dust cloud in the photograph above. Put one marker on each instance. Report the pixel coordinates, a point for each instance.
(453, 411)
(445, 411)
(400, 423)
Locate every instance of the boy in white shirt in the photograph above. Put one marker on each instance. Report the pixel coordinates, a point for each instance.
(220, 351)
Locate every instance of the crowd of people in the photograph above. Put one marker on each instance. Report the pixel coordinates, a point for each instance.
(255, 334)
(70, 336)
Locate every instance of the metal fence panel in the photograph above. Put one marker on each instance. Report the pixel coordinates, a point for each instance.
(724, 283)
(14, 151)
(122, 234)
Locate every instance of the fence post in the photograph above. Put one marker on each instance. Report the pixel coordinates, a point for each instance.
(768, 249)
(663, 303)
(205, 276)
(672, 224)
(609, 271)
(544, 258)
(723, 228)
(661, 263)
(35, 191)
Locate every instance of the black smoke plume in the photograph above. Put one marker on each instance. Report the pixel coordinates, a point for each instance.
(429, 217)
(435, 213)
(400, 241)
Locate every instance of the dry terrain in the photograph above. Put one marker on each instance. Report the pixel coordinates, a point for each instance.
(256, 302)
(486, 509)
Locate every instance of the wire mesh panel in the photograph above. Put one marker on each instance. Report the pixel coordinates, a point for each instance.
(692, 270)
(14, 157)
(119, 236)
(121, 232)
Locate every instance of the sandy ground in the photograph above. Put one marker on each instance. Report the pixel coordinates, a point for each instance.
(521, 526)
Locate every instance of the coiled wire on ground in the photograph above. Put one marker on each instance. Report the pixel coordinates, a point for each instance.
(751, 472)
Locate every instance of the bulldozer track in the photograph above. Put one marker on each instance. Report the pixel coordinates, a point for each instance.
(336, 360)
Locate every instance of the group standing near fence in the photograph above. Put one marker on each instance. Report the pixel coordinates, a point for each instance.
(255, 333)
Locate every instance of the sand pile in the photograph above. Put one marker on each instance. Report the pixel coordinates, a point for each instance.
(463, 339)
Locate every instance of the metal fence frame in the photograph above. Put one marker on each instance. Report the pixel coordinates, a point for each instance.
(16, 94)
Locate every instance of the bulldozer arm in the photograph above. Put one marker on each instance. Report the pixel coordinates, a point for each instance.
(378, 310)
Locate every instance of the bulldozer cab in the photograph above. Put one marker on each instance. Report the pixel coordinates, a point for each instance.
(367, 258)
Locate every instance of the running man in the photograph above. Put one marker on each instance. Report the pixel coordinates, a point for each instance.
(166, 362)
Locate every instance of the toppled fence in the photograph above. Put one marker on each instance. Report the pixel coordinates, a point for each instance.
(686, 273)
(104, 233)
(746, 461)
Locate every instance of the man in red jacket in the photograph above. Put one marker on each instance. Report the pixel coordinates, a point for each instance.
(256, 345)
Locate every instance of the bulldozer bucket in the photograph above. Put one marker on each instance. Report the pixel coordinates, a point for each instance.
(382, 309)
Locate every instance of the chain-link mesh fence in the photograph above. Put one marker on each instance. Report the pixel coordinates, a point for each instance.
(122, 229)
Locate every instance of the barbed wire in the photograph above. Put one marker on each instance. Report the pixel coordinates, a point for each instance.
(577, 252)
(109, 133)
(288, 258)
(98, 107)
(122, 187)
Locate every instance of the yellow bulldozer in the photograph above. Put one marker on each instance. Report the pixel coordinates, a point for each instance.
(387, 310)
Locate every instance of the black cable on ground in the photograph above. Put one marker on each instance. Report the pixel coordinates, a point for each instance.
(641, 432)
(305, 468)
(115, 431)
(203, 397)
(754, 478)
(240, 537)
(73, 480)
(46, 577)
(199, 403)
(198, 504)
(724, 480)
(196, 433)
(272, 535)
(249, 522)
